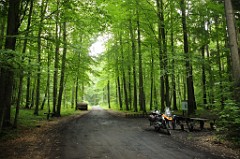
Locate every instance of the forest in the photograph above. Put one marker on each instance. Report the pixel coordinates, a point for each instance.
(157, 54)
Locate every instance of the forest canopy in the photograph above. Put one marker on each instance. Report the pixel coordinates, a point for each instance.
(158, 53)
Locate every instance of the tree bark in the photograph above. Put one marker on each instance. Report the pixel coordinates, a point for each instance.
(124, 76)
(132, 36)
(232, 35)
(3, 20)
(108, 94)
(152, 79)
(161, 56)
(141, 84)
(211, 83)
(21, 72)
(173, 61)
(61, 87)
(7, 74)
(119, 92)
(45, 96)
(28, 92)
(129, 83)
(55, 77)
(48, 77)
(190, 88)
(39, 60)
(219, 65)
(204, 88)
(165, 58)
(76, 93)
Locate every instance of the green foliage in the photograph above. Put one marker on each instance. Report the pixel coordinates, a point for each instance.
(229, 124)
(11, 60)
(88, 19)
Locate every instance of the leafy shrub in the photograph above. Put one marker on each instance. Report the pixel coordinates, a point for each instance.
(229, 124)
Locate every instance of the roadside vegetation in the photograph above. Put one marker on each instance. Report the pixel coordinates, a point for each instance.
(156, 54)
(29, 122)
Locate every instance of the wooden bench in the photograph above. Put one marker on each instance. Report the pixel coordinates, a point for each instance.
(191, 122)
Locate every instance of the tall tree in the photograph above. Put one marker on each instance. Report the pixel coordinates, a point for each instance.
(189, 74)
(204, 77)
(118, 76)
(161, 56)
(132, 36)
(123, 73)
(152, 79)
(7, 74)
(23, 57)
(56, 63)
(61, 87)
(219, 63)
(141, 85)
(173, 60)
(3, 18)
(232, 35)
(39, 52)
(108, 95)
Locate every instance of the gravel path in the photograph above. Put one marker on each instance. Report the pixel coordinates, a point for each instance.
(107, 134)
(98, 134)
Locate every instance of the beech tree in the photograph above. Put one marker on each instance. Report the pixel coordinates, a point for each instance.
(158, 54)
(232, 35)
(7, 69)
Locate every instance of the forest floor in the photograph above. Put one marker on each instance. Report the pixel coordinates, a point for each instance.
(44, 140)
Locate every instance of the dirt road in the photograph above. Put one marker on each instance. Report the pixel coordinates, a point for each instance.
(99, 134)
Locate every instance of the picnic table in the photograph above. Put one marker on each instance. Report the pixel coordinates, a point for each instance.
(192, 121)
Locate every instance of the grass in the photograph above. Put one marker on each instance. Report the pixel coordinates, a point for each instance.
(28, 121)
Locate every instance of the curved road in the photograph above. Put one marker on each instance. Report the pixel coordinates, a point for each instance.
(98, 134)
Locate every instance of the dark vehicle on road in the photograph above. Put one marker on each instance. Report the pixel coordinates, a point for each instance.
(82, 106)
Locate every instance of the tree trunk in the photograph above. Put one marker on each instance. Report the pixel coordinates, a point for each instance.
(161, 57)
(219, 64)
(165, 58)
(108, 94)
(152, 79)
(141, 84)
(232, 35)
(7, 74)
(116, 92)
(82, 91)
(55, 77)
(129, 84)
(45, 97)
(61, 87)
(21, 72)
(204, 89)
(211, 83)
(3, 25)
(190, 88)
(28, 92)
(76, 93)
(173, 67)
(39, 42)
(48, 78)
(132, 36)
(119, 92)
(32, 94)
(155, 101)
(123, 75)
